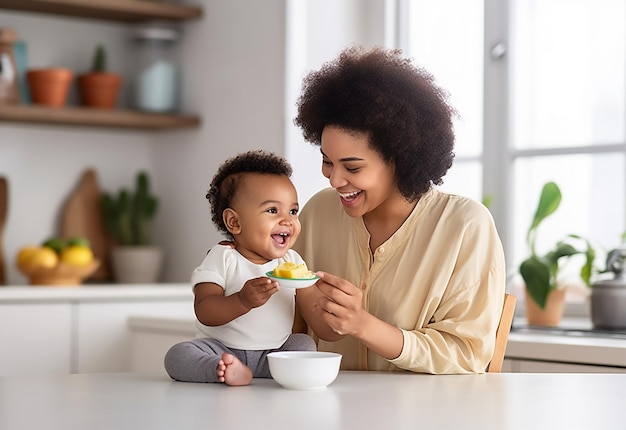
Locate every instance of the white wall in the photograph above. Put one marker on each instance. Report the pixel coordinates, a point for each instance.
(242, 70)
(44, 163)
(317, 31)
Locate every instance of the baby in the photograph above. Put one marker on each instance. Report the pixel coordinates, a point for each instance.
(242, 315)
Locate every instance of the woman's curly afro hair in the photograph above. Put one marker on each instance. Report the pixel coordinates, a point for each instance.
(397, 104)
(226, 181)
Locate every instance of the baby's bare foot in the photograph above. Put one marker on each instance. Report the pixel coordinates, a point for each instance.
(232, 371)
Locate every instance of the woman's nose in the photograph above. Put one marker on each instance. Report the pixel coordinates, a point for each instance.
(336, 179)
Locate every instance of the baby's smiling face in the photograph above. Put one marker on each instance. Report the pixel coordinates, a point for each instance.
(263, 217)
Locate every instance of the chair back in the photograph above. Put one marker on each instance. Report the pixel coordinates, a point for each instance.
(502, 334)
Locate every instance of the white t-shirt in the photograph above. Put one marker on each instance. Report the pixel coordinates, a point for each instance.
(265, 327)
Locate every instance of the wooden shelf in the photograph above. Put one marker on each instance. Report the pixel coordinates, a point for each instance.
(87, 117)
(113, 10)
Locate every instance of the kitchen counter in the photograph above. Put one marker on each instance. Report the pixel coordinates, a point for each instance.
(572, 343)
(355, 400)
(94, 292)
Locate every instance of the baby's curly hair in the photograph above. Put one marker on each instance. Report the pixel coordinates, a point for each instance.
(397, 104)
(225, 183)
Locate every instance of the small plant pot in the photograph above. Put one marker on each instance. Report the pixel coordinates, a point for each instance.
(136, 264)
(49, 87)
(551, 315)
(99, 90)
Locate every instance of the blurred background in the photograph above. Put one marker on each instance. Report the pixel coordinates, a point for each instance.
(539, 87)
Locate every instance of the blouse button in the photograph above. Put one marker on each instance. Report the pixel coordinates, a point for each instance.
(381, 250)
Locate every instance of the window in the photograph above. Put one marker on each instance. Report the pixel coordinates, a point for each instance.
(446, 38)
(548, 103)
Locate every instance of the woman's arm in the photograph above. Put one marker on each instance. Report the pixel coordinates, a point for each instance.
(333, 309)
(306, 301)
(213, 308)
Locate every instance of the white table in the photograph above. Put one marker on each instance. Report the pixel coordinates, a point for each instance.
(356, 400)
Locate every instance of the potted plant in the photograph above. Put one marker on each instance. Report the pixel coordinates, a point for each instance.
(99, 88)
(128, 217)
(544, 298)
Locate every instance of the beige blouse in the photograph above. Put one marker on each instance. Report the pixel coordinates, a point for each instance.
(440, 278)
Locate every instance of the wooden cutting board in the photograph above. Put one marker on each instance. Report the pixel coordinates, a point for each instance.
(4, 206)
(82, 216)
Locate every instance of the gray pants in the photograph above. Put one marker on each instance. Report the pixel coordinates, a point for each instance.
(196, 360)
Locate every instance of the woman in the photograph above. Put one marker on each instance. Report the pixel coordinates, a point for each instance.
(412, 278)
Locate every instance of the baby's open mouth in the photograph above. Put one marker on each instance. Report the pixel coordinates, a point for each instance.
(281, 238)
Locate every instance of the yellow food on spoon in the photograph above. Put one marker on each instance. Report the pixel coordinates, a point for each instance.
(292, 271)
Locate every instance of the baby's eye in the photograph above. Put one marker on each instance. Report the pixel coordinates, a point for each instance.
(272, 210)
(293, 212)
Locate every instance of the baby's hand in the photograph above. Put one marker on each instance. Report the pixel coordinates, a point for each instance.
(257, 291)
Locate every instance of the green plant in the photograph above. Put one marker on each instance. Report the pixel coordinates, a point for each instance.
(128, 215)
(99, 63)
(540, 273)
(487, 201)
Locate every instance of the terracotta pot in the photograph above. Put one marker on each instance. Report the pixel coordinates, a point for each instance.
(549, 316)
(49, 87)
(99, 89)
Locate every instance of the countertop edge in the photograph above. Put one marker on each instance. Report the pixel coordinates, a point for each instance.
(96, 292)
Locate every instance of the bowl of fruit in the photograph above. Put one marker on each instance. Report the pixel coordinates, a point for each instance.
(57, 262)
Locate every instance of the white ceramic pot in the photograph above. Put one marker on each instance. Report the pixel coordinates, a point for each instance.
(137, 264)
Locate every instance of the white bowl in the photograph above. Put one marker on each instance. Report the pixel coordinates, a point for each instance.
(304, 370)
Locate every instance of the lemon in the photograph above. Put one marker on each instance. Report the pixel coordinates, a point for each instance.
(25, 254)
(77, 255)
(43, 257)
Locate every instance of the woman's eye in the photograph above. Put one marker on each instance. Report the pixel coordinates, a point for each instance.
(326, 163)
(353, 169)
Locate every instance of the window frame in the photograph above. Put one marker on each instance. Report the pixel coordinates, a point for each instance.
(498, 155)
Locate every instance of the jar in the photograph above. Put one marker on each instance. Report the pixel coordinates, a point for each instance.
(156, 77)
(9, 90)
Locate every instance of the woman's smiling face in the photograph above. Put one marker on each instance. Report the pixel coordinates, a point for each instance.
(364, 181)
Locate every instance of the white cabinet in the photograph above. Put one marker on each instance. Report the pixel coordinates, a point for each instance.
(152, 337)
(35, 339)
(103, 335)
(79, 330)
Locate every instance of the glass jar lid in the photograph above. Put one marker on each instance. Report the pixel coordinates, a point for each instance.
(156, 33)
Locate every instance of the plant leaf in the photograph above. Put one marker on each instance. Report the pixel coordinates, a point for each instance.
(563, 250)
(548, 203)
(536, 275)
